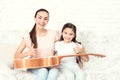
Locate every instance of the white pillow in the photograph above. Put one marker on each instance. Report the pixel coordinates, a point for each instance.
(7, 53)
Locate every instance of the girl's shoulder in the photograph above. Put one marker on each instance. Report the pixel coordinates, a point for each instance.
(58, 42)
(77, 44)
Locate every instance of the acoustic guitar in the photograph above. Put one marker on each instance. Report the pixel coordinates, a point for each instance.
(29, 63)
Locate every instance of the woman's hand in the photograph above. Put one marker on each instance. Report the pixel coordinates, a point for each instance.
(33, 52)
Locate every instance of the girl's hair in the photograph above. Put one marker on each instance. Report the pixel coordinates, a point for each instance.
(73, 27)
(33, 31)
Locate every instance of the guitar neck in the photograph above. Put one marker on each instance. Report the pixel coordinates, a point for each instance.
(83, 54)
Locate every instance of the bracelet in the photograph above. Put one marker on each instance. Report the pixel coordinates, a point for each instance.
(27, 57)
(78, 52)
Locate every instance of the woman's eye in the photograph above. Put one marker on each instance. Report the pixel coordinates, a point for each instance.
(65, 32)
(40, 17)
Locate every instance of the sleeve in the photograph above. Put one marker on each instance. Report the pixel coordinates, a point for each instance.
(56, 36)
(55, 46)
(79, 45)
(26, 37)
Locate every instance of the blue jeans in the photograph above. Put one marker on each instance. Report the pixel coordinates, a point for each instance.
(46, 73)
(72, 69)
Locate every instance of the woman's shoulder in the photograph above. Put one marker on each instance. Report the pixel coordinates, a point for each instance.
(53, 34)
(52, 31)
(26, 36)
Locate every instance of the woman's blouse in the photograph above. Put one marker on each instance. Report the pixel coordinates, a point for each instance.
(45, 43)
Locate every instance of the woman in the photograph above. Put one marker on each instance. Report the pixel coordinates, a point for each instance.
(40, 42)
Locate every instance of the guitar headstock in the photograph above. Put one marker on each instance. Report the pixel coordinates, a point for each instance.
(98, 55)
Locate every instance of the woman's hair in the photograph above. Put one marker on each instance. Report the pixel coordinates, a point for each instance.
(33, 31)
(73, 27)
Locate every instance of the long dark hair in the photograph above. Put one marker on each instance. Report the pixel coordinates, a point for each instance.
(73, 27)
(33, 31)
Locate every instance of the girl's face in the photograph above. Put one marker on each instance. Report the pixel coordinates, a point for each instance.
(41, 19)
(68, 34)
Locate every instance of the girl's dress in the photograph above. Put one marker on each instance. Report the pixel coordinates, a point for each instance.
(68, 65)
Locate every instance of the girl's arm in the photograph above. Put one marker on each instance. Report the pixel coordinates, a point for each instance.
(84, 58)
(80, 49)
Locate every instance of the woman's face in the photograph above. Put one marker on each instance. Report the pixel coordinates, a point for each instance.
(68, 34)
(41, 19)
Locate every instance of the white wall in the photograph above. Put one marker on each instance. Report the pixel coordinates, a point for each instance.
(97, 21)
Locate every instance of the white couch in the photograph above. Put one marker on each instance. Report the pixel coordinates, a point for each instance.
(6, 59)
(95, 69)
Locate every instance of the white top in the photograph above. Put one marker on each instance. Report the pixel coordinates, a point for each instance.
(66, 49)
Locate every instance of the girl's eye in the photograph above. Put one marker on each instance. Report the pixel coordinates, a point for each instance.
(71, 34)
(45, 18)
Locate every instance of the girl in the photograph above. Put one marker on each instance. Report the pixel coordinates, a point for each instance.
(41, 41)
(66, 46)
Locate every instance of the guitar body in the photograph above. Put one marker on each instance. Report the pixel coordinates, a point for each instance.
(36, 62)
(44, 61)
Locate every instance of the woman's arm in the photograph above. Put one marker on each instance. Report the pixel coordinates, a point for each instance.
(20, 54)
(21, 47)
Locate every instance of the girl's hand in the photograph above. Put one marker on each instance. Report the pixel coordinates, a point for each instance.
(78, 49)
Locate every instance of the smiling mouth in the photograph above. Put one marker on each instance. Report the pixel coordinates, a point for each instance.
(41, 24)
